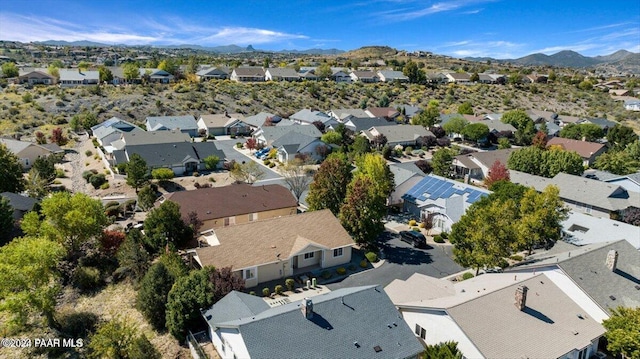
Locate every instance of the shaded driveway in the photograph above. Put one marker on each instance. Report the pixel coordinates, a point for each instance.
(401, 261)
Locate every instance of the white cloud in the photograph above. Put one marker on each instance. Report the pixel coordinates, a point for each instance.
(470, 48)
(247, 35)
(410, 13)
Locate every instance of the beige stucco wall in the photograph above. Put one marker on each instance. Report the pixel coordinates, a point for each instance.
(271, 271)
(330, 260)
(31, 153)
(244, 218)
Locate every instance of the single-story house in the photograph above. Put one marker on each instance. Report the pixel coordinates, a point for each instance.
(256, 122)
(581, 229)
(403, 135)
(281, 74)
(344, 114)
(441, 199)
(213, 73)
(391, 76)
(359, 124)
(632, 105)
(583, 195)
(405, 176)
(358, 322)
(112, 130)
(296, 143)
(20, 204)
(156, 75)
(37, 77)
(589, 151)
(458, 78)
(630, 182)
(181, 157)
(364, 76)
(77, 77)
(267, 135)
(388, 113)
(498, 316)
(339, 74)
(279, 247)
(476, 165)
(603, 123)
(185, 124)
(563, 120)
(248, 74)
(28, 152)
(437, 77)
(307, 116)
(234, 204)
(223, 124)
(409, 111)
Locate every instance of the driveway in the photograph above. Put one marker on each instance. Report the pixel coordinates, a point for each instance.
(401, 261)
(230, 153)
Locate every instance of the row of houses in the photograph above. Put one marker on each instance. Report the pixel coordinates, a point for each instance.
(80, 77)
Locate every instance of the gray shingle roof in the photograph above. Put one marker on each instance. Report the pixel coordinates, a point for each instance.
(358, 124)
(154, 137)
(19, 202)
(186, 122)
(273, 133)
(258, 119)
(233, 306)
(167, 154)
(399, 133)
(294, 141)
(308, 116)
(342, 318)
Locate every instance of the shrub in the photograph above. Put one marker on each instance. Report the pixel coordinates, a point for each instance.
(325, 274)
(438, 239)
(271, 165)
(238, 145)
(95, 143)
(290, 283)
(421, 225)
(503, 263)
(516, 257)
(444, 235)
(196, 174)
(278, 289)
(266, 162)
(467, 275)
(77, 324)
(266, 292)
(60, 173)
(86, 278)
(341, 271)
(372, 257)
(351, 267)
(87, 175)
(363, 263)
(88, 153)
(252, 293)
(162, 173)
(412, 222)
(97, 180)
(415, 229)
(104, 185)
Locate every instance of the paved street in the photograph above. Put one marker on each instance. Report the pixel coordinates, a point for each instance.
(230, 153)
(402, 260)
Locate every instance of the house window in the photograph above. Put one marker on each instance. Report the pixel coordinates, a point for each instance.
(249, 273)
(308, 255)
(229, 221)
(587, 209)
(253, 217)
(583, 353)
(337, 252)
(421, 332)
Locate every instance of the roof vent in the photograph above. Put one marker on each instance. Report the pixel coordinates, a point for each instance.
(612, 297)
(357, 345)
(580, 316)
(637, 287)
(377, 349)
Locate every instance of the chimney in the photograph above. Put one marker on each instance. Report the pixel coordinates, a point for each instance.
(612, 260)
(307, 308)
(521, 297)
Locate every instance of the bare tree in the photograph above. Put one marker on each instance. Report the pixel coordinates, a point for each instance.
(249, 172)
(297, 176)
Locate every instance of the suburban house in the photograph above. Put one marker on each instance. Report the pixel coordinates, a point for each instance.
(437, 78)
(223, 124)
(343, 114)
(256, 122)
(77, 77)
(476, 165)
(409, 111)
(234, 204)
(388, 113)
(359, 124)
(403, 135)
(441, 199)
(117, 147)
(279, 247)
(583, 195)
(497, 126)
(564, 120)
(391, 76)
(213, 73)
(248, 74)
(36, 77)
(458, 78)
(112, 130)
(298, 144)
(185, 124)
(405, 176)
(308, 117)
(498, 316)
(364, 76)
(632, 105)
(281, 74)
(181, 157)
(357, 322)
(630, 182)
(268, 134)
(28, 152)
(589, 151)
(339, 75)
(581, 229)
(156, 75)
(599, 277)
(20, 204)
(603, 123)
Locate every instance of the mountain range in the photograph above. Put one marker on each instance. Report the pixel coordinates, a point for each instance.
(569, 58)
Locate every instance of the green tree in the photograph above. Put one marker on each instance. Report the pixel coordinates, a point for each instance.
(465, 109)
(484, 235)
(11, 169)
(455, 125)
(6, 220)
(169, 66)
(192, 65)
(591, 132)
(558, 160)
(133, 258)
(541, 216)
(324, 71)
(187, 296)
(105, 74)
(9, 70)
(329, 186)
(376, 168)
(620, 136)
(623, 336)
(441, 162)
(147, 197)
(36, 185)
(71, 219)
(618, 162)
(119, 339)
(162, 174)
(446, 350)
(332, 137)
(174, 264)
(360, 145)
(46, 167)
(28, 272)
(363, 209)
(414, 73)
(164, 225)
(475, 132)
(429, 116)
(211, 162)
(153, 293)
(137, 171)
(54, 71)
(131, 71)
(572, 131)
(527, 160)
(516, 118)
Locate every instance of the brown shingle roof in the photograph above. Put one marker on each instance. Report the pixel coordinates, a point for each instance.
(583, 148)
(233, 200)
(256, 243)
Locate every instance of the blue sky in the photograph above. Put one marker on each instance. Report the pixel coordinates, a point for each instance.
(460, 28)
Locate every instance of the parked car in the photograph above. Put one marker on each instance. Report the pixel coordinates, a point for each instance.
(416, 239)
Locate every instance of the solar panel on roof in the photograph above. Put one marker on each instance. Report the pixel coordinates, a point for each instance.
(448, 193)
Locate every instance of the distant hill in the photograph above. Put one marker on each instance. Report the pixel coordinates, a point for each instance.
(620, 59)
(72, 43)
(372, 52)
